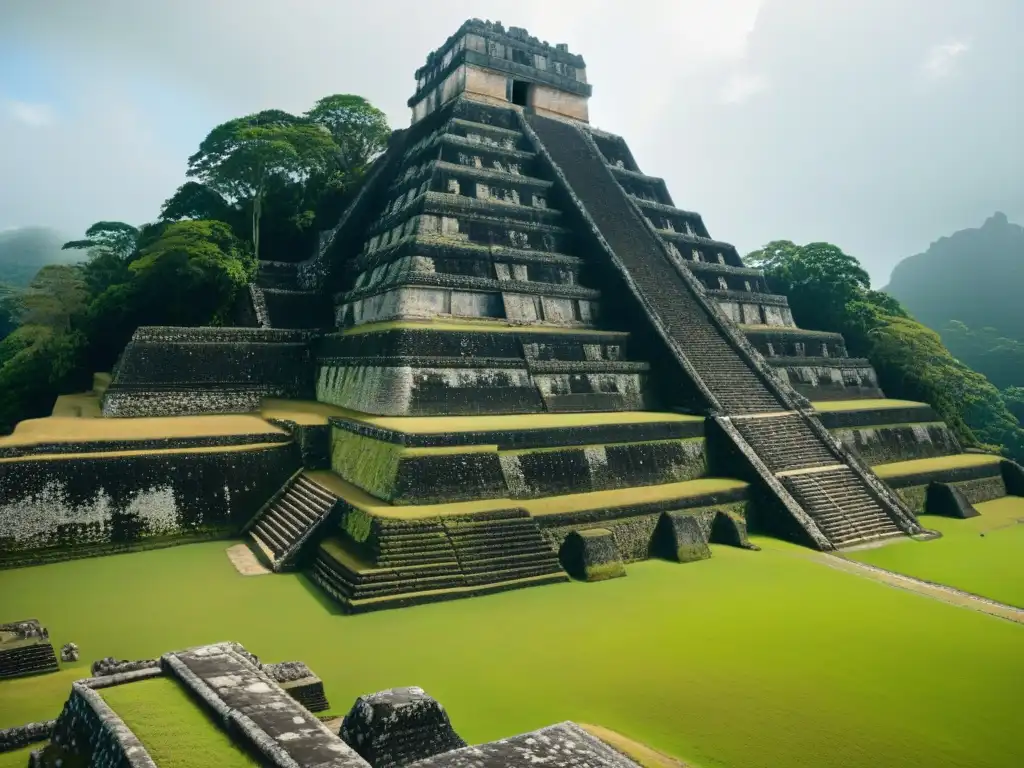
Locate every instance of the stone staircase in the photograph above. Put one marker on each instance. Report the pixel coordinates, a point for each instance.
(783, 441)
(507, 545)
(657, 282)
(434, 560)
(840, 506)
(284, 304)
(284, 525)
(35, 659)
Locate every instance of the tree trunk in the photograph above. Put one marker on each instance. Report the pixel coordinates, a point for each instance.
(257, 210)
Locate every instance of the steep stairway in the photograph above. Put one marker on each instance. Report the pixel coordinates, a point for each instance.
(840, 506)
(35, 659)
(285, 524)
(783, 440)
(437, 560)
(658, 284)
(281, 303)
(504, 546)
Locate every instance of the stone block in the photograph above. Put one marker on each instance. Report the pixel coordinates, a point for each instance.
(730, 528)
(1013, 477)
(679, 537)
(565, 744)
(949, 501)
(591, 555)
(398, 727)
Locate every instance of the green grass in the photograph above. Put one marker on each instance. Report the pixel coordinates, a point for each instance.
(917, 466)
(172, 728)
(747, 659)
(990, 565)
(19, 757)
(869, 404)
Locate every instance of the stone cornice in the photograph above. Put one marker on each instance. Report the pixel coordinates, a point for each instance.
(426, 245)
(749, 297)
(724, 269)
(444, 204)
(469, 283)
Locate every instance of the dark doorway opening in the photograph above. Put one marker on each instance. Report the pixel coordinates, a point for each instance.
(520, 92)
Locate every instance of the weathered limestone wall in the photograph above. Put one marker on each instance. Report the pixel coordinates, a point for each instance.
(978, 484)
(403, 475)
(975, 491)
(68, 507)
(177, 371)
(486, 85)
(900, 442)
(408, 391)
(552, 102)
(751, 311)
(89, 732)
(633, 529)
(826, 378)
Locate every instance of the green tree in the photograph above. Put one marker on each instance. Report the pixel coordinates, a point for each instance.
(196, 268)
(360, 130)
(1013, 397)
(240, 158)
(829, 291)
(819, 279)
(114, 237)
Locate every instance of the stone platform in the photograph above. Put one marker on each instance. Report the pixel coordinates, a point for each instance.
(73, 487)
(25, 649)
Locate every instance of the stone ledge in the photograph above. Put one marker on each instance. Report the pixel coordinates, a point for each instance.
(748, 297)
(460, 206)
(474, 284)
(532, 434)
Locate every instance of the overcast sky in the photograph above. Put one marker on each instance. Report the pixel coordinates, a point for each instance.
(879, 125)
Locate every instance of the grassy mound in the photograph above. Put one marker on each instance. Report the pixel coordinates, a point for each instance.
(983, 555)
(172, 727)
(749, 658)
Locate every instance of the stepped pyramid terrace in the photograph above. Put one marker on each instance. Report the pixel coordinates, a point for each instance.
(514, 360)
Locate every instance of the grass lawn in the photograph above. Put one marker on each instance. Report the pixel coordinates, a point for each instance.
(990, 565)
(747, 659)
(19, 757)
(172, 728)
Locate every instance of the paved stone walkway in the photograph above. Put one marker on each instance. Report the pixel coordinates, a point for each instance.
(926, 588)
(245, 561)
(557, 746)
(283, 731)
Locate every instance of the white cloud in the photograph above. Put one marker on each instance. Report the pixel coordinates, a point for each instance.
(942, 59)
(32, 115)
(741, 87)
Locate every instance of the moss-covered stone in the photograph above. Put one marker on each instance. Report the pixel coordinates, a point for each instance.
(974, 491)
(680, 537)
(883, 444)
(591, 555)
(949, 501)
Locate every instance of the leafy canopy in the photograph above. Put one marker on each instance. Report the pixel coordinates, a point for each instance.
(239, 158)
(359, 129)
(829, 291)
(113, 237)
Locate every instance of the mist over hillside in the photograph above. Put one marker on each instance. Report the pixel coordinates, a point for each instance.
(974, 276)
(25, 250)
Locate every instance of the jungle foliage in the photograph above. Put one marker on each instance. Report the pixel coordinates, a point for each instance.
(828, 290)
(259, 186)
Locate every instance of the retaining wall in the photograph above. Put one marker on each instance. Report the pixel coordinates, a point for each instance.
(58, 508)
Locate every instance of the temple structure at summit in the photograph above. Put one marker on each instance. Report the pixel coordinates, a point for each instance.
(513, 360)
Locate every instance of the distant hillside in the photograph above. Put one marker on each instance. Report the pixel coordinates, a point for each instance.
(23, 251)
(975, 276)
